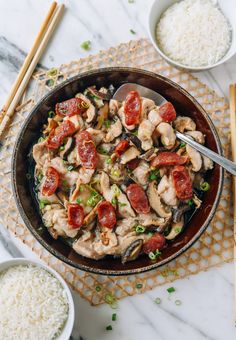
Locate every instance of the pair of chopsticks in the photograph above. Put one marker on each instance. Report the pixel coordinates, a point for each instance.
(46, 30)
(232, 100)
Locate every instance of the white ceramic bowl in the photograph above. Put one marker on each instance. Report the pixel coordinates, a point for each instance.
(228, 7)
(67, 330)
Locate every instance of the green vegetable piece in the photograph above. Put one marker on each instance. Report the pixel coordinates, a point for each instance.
(86, 45)
(50, 82)
(152, 256)
(81, 188)
(132, 31)
(79, 200)
(109, 160)
(154, 174)
(158, 301)
(205, 186)
(122, 204)
(171, 290)
(41, 139)
(139, 285)
(98, 288)
(70, 167)
(40, 177)
(114, 201)
(178, 302)
(157, 252)
(107, 123)
(139, 229)
(109, 328)
(190, 203)
(52, 72)
(51, 114)
(114, 317)
(182, 145)
(42, 203)
(116, 190)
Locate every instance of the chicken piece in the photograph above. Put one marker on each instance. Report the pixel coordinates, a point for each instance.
(55, 217)
(71, 177)
(73, 157)
(154, 117)
(197, 135)
(121, 115)
(105, 243)
(58, 164)
(41, 154)
(150, 219)
(124, 207)
(114, 106)
(147, 106)
(145, 131)
(114, 131)
(167, 134)
(97, 135)
(141, 173)
(85, 247)
(125, 226)
(207, 163)
(195, 158)
(91, 111)
(184, 124)
(50, 199)
(167, 191)
(105, 186)
(76, 120)
(129, 154)
(155, 201)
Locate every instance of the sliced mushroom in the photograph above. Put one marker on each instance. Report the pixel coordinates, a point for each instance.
(132, 252)
(175, 230)
(155, 201)
(84, 246)
(177, 213)
(124, 207)
(114, 131)
(41, 154)
(101, 94)
(154, 116)
(53, 233)
(167, 191)
(105, 186)
(148, 155)
(195, 158)
(197, 135)
(167, 134)
(134, 139)
(129, 154)
(197, 201)
(145, 131)
(70, 144)
(102, 115)
(184, 124)
(150, 219)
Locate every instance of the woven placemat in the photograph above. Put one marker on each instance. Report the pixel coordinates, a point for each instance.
(216, 244)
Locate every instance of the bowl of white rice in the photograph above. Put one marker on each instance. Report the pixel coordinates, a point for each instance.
(35, 302)
(193, 34)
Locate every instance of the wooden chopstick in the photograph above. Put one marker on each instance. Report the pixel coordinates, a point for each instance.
(232, 101)
(28, 59)
(52, 25)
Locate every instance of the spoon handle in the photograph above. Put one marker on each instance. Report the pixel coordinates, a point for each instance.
(215, 157)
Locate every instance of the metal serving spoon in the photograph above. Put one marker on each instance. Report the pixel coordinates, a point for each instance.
(121, 94)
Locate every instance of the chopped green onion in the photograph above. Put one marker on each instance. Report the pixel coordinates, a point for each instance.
(171, 290)
(114, 201)
(114, 316)
(107, 123)
(42, 203)
(109, 160)
(41, 139)
(178, 302)
(40, 177)
(205, 186)
(81, 188)
(102, 150)
(79, 200)
(150, 234)
(110, 299)
(182, 145)
(122, 204)
(135, 133)
(52, 72)
(158, 300)
(157, 252)
(86, 45)
(130, 1)
(139, 285)
(51, 114)
(152, 256)
(98, 288)
(178, 230)
(154, 174)
(139, 229)
(70, 167)
(109, 328)
(191, 203)
(50, 82)
(93, 199)
(132, 31)
(115, 189)
(28, 176)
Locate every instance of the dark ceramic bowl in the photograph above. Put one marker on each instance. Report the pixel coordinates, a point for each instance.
(184, 103)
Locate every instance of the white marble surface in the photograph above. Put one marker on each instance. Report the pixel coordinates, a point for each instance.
(207, 298)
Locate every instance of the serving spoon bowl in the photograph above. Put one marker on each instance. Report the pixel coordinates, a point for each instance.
(121, 94)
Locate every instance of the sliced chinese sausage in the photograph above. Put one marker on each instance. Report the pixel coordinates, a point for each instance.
(51, 182)
(168, 158)
(121, 147)
(106, 214)
(132, 108)
(155, 201)
(75, 215)
(182, 183)
(156, 242)
(86, 150)
(138, 198)
(71, 107)
(56, 137)
(167, 112)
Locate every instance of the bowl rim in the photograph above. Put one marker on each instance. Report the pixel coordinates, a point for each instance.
(68, 327)
(224, 59)
(103, 271)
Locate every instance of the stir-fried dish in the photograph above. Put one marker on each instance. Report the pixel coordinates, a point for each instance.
(112, 178)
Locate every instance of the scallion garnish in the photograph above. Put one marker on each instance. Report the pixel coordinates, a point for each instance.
(81, 188)
(70, 167)
(52, 72)
(114, 201)
(107, 123)
(42, 203)
(109, 160)
(178, 302)
(182, 145)
(157, 300)
(115, 189)
(98, 288)
(122, 204)
(109, 328)
(50, 82)
(190, 203)
(132, 31)
(130, 1)
(171, 290)
(40, 177)
(110, 300)
(139, 229)
(152, 256)
(79, 200)
(51, 114)
(154, 174)
(86, 45)
(41, 139)
(139, 285)
(205, 186)
(94, 199)
(114, 316)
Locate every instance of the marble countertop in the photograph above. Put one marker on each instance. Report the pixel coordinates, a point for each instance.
(207, 298)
